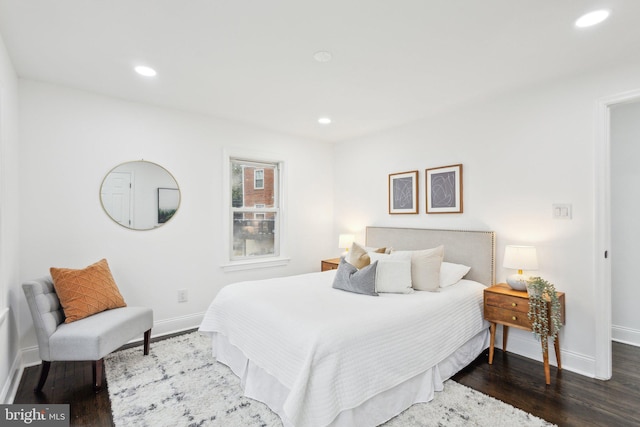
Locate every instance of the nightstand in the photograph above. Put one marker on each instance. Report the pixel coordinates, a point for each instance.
(508, 307)
(329, 264)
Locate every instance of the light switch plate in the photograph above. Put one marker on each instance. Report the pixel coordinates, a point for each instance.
(561, 210)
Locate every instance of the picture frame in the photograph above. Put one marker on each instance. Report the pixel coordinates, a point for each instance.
(444, 189)
(168, 202)
(403, 193)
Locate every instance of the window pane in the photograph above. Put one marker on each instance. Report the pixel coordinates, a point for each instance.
(253, 234)
(254, 209)
(236, 185)
(253, 184)
(258, 179)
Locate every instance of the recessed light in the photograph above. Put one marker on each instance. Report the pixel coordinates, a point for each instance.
(592, 18)
(322, 56)
(324, 120)
(145, 71)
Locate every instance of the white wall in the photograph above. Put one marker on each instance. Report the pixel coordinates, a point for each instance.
(9, 201)
(522, 152)
(71, 139)
(625, 233)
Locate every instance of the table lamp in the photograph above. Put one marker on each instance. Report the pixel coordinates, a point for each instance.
(519, 258)
(345, 241)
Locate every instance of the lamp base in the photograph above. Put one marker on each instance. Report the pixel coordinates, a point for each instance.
(518, 282)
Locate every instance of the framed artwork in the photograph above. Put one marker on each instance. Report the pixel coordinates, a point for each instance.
(444, 189)
(403, 193)
(168, 201)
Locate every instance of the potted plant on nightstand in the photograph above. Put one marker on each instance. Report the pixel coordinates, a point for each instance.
(541, 291)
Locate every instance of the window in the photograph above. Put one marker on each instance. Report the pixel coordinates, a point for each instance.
(258, 179)
(255, 209)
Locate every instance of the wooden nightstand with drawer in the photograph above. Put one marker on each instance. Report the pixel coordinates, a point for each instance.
(508, 307)
(329, 264)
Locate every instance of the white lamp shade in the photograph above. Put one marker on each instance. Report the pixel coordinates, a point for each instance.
(520, 257)
(345, 241)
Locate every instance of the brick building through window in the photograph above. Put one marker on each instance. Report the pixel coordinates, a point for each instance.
(255, 208)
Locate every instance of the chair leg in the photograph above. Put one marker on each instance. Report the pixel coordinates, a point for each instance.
(147, 338)
(44, 373)
(97, 374)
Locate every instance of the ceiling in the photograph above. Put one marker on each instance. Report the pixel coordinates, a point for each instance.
(251, 61)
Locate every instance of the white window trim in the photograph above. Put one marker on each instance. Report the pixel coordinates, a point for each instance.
(256, 215)
(264, 262)
(255, 187)
(259, 215)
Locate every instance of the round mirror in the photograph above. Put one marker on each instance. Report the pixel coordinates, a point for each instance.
(140, 195)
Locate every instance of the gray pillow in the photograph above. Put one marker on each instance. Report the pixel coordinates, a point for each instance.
(349, 278)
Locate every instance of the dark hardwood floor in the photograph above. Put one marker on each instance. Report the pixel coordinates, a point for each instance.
(570, 400)
(68, 382)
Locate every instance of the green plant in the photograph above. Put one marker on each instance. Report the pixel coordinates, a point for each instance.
(541, 293)
(165, 215)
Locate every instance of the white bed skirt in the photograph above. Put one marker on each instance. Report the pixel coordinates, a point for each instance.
(262, 386)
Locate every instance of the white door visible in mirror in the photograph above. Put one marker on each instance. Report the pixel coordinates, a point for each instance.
(116, 197)
(140, 195)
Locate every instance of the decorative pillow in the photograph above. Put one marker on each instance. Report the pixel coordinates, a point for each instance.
(87, 291)
(425, 268)
(349, 278)
(450, 273)
(358, 256)
(394, 272)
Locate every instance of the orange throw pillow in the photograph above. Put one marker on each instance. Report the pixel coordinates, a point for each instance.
(87, 291)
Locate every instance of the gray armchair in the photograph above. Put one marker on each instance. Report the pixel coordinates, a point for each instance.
(90, 338)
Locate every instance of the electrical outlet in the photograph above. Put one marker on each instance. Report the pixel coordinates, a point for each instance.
(183, 295)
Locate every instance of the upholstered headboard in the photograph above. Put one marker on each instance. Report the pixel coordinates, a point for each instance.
(473, 248)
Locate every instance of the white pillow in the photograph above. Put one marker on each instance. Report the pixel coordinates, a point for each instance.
(425, 268)
(450, 273)
(394, 272)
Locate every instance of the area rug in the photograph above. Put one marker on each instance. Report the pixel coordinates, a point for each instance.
(181, 384)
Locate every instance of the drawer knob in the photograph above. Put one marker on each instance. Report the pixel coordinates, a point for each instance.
(514, 318)
(513, 304)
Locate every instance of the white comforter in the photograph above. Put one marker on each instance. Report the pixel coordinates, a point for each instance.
(333, 349)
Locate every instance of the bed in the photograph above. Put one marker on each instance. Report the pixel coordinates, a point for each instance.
(319, 356)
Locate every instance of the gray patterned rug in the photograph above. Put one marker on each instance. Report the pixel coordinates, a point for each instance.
(181, 384)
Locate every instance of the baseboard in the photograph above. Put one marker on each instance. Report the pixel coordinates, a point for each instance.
(176, 324)
(625, 335)
(523, 343)
(9, 389)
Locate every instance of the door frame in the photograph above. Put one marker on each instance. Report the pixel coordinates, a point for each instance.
(602, 273)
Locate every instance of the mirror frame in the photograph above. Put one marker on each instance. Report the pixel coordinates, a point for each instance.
(161, 186)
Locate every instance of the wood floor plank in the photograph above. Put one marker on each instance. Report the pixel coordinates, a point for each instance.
(570, 399)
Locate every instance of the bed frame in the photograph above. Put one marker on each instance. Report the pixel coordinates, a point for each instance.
(473, 248)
